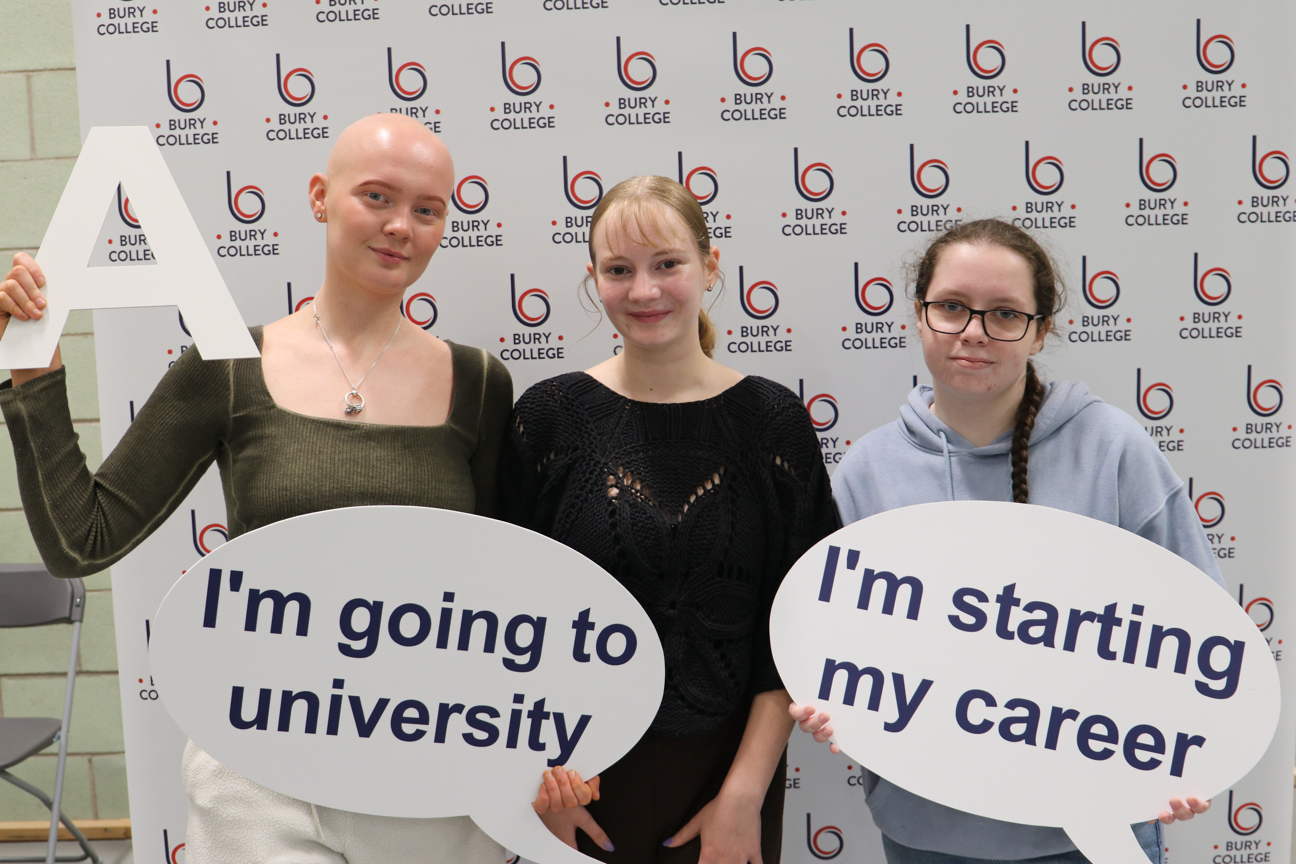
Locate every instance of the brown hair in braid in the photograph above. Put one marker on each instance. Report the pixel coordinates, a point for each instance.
(1049, 300)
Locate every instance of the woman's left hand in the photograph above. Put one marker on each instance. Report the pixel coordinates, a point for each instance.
(562, 790)
(730, 831)
(1181, 812)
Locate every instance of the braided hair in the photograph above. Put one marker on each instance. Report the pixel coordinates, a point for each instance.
(1049, 300)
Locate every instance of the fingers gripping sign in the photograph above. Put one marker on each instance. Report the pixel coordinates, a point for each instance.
(1008, 660)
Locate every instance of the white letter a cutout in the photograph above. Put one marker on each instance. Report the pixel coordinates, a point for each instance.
(185, 274)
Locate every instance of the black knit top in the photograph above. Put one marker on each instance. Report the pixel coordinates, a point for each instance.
(697, 508)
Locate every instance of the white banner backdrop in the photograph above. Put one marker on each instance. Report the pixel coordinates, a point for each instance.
(824, 139)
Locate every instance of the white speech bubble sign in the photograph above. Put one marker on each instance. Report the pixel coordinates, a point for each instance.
(600, 668)
(913, 657)
(183, 274)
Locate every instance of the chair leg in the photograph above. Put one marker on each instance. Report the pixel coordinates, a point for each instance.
(55, 812)
(88, 851)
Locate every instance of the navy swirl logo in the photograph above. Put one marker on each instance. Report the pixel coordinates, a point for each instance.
(421, 309)
(1242, 814)
(238, 201)
(1160, 389)
(857, 63)
(1203, 292)
(1265, 608)
(204, 537)
(1214, 67)
(1259, 164)
(1209, 506)
(802, 178)
(1038, 185)
(825, 849)
(284, 82)
(747, 297)
(918, 174)
(627, 77)
(707, 174)
(1145, 170)
(396, 78)
(574, 197)
(519, 304)
(128, 218)
(178, 102)
(975, 58)
(509, 71)
(478, 183)
(1091, 62)
(875, 287)
(745, 75)
(824, 414)
(1093, 290)
(1254, 400)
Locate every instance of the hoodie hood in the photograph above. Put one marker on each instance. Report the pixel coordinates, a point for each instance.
(1062, 401)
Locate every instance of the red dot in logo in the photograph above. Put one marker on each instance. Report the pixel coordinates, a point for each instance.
(154, 11)
(848, 767)
(499, 224)
(730, 332)
(109, 241)
(722, 98)
(501, 338)
(263, 5)
(783, 98)
(1181, 432)
(607, 104)
(728, 216)
(1126, 205)
(1070, 89)
(667, 102)
(1185, 86)
(616, 335)
(899, 210)
(784, 215)
(267, 119)
(169, 351)
(1131, 86)
(955, 92)
(325, 116)
(838, 95)
(492, 110)
(159, 126)
(1234, 428)
(1129, 320)
(1072, 206)
(789, 329)
(1014, 206)
(438, 111)
(1014, 89)
(958, 209)
(550, 106)
(276, 233)
(1243, 85)
(1239, 317)
(1181, 317)
(898, 93)
(796, 769)
(217, 237)
(555, 222)
(843, 329)
(559, 337)
(214, 123)
(1071, 321)
(1239, 202)
(1185, 203)
(902, 327)
(843, 212)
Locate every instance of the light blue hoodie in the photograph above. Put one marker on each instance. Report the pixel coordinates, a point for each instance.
(1086, 457)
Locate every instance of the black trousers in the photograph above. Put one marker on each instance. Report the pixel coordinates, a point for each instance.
(662, 783)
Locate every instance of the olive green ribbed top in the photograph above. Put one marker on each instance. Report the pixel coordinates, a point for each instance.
(274, 463)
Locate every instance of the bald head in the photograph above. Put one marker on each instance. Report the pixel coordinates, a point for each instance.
(385, 139)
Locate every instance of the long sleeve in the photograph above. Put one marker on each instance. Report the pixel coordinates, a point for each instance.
(82, 522)
(496, 405)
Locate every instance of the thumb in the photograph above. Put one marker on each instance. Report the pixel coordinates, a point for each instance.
(586, 823)
(690, 830)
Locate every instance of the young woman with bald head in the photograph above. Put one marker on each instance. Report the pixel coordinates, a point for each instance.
(343, 395)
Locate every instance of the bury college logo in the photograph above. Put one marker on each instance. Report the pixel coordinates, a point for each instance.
(991, 50)
(520, 304)
(284, 81)
(396, 79)
(1161, 390)
(1243, 813)
(741, 68)
(1259, 164)
(201, 537)
(821, 848)
(627, 77)
(509, 71)
(458, 197)
(751, 303)
(707, 174)
(823, 416)
(124, 209)
(1254, 400)
(1145, 170)
(173, 91)
(1213, 502)
(1203, 293)
(918, 174)
(421, 309)
(1262, 605)
(1204, 51)
(877, 286)
(573, 197)
(801, 176)
(1093, 291)
(857, 60)
(1087, 50)
(240, 203)
(1038, 186)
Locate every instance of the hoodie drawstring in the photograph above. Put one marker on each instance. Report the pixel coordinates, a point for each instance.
(949, 464)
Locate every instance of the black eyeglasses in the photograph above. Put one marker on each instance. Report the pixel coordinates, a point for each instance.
(1001, 325)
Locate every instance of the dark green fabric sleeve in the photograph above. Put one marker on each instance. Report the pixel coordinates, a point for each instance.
(82, 522)
(496, 406)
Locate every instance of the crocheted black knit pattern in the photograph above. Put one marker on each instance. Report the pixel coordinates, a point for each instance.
(697, 508)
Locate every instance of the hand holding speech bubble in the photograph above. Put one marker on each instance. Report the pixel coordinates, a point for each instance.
(357, 658)
(1027, 664)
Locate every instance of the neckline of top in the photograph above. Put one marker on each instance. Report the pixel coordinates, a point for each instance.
(725, 392)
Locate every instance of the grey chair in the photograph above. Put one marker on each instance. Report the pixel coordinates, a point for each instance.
(31, 597)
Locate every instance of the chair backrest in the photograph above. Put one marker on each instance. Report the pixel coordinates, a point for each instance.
(30, 596)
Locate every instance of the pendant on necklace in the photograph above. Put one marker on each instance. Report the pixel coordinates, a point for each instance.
(352, 407)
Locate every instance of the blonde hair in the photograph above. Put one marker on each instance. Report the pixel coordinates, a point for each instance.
(640, 203)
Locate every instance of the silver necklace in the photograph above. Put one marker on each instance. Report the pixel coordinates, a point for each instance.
(353, 402)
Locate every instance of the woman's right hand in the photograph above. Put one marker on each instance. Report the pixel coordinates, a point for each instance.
(21, 297)
(814, 722)
(561, 806)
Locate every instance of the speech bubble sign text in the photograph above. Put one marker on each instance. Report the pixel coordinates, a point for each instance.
(407, 661)
(1027, 664)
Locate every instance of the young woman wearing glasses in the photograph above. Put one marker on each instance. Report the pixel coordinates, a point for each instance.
(985, 295)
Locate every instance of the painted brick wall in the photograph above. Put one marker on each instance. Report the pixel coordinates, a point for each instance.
(39, 139)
